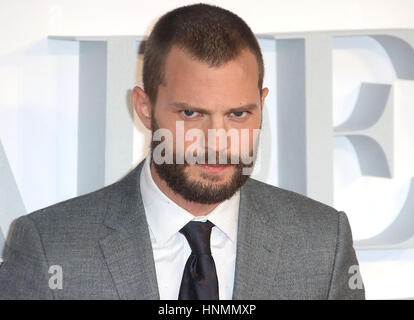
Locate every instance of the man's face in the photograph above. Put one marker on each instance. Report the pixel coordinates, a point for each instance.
(204, 97)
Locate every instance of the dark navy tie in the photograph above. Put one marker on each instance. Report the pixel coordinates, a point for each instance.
(200, 277)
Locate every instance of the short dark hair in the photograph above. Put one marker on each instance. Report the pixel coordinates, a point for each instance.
(209, 33)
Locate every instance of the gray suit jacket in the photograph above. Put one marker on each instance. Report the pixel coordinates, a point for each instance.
(288, 247)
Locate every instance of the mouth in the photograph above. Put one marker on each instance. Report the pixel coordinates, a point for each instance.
(213, 168)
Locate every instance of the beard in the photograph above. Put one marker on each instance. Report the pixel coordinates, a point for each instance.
(208, 189)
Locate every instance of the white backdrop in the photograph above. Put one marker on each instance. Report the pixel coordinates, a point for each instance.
(39, 99)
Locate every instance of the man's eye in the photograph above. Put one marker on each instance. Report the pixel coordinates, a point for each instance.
(239, 114)
(189, 113)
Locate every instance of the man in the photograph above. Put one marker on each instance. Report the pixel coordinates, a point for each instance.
(181, 230)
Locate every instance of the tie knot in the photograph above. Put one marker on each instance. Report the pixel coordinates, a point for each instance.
(198, 236)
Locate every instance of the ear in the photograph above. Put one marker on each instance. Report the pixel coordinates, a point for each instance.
(265, 91)
(142, 106)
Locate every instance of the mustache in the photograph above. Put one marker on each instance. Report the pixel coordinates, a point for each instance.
(215, 157)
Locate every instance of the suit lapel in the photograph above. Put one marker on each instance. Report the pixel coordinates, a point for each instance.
(258, 245)
(127, 246)
(128, 253)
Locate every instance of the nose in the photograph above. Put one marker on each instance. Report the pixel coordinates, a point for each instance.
(215, 131)
(217, 122)
(218, 141)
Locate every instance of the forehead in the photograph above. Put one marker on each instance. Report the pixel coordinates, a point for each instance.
(190, 79)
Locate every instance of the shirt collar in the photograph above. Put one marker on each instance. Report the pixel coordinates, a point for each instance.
(165, 218)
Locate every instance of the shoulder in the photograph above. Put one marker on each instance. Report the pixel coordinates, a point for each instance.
(73, 216)
(291, 208)
(91, 207)
(83, 216)
(272, 193)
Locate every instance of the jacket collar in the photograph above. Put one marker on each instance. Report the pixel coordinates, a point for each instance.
(260, 238)
(127, 246)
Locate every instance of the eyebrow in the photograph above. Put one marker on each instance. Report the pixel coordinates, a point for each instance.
(186, 106)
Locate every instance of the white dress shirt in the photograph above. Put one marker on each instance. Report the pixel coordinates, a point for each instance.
(171, 249)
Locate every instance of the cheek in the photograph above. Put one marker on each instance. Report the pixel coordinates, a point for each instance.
(247, 140)
(164, 119)
(248, 133)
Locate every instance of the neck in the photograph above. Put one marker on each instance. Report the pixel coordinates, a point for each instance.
(195, 208)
